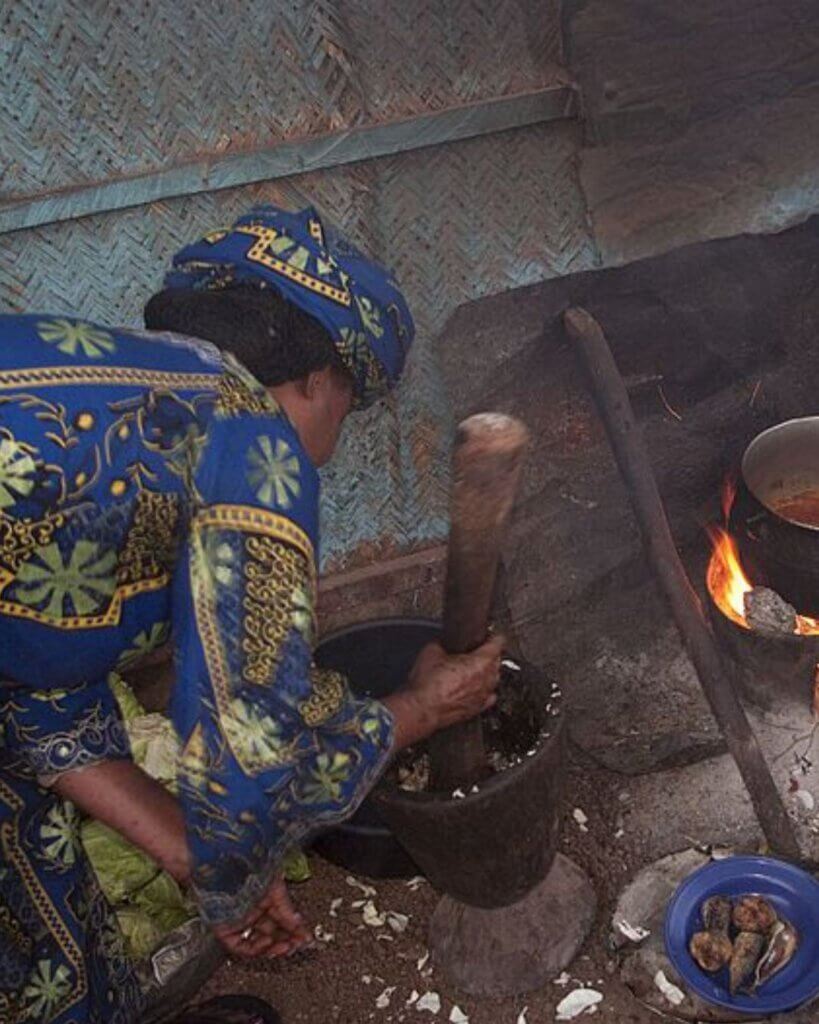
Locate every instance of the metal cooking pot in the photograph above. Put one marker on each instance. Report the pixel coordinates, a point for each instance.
(776, 514)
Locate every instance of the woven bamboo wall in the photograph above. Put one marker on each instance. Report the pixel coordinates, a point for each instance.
(109, 99)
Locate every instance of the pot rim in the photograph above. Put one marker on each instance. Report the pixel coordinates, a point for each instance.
(764, 440)
(368, 624)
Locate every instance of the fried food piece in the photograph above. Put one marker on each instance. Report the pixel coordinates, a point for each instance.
(748, 947)
(783, 942)
(716, 914)
(711, 950)
(754, 914)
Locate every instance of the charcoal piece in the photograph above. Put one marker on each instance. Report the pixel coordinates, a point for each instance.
(768, 613)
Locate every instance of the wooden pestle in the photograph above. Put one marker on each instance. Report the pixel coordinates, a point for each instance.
(486, 466)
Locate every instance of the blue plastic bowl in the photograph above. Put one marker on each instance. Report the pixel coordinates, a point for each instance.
(795, 896)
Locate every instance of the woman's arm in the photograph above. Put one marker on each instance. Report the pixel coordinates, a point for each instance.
(122, 796)
(441, 690)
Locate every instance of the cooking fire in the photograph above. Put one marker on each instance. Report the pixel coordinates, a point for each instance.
(744, 603)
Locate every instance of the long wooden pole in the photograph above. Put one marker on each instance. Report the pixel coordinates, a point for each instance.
(486, 464)
(632, 458)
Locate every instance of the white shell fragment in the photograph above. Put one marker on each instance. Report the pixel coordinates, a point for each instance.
(429, 1001)
(522, 1016)
(581, 818)
(423, 961)
(366, 889)
(371, 915)
(334, 906)
(582, 1000)
(383, 1000)
(633, 932)
(398, 922)
(415, 883)
(674, 995)
(457, 1016)
(413, 997)
(321, 935)
(458, 794)
(562, 979)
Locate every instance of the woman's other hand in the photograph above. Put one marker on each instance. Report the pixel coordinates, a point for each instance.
(272, 928)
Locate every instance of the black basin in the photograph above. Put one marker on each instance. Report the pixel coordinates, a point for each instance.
(376, 657)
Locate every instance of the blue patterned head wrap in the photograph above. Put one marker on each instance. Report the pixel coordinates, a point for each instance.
(356, 300)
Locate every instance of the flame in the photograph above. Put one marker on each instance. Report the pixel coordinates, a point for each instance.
(806, 626)
(726, 579)
(728, 584)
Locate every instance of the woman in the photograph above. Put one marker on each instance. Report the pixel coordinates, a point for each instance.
(152, 484)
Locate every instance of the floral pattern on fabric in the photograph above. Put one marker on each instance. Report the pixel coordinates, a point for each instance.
(80, 585)
(145, 482)
(356, 300)
(273, 472)
(59, 835)
(62, 960)
(311, 749)
(75, 337)
(46, 732)
(16, 472)
(144, 643)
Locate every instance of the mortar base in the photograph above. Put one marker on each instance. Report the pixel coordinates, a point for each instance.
(515, 949)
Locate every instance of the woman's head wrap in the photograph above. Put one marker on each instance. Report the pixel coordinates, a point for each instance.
(357, 301)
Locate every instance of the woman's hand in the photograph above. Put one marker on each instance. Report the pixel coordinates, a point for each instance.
(273, 928)
(456, 687)
(122, 796)
(444, 689)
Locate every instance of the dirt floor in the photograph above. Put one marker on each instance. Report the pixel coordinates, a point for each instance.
(342, 979)
(640, 804)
